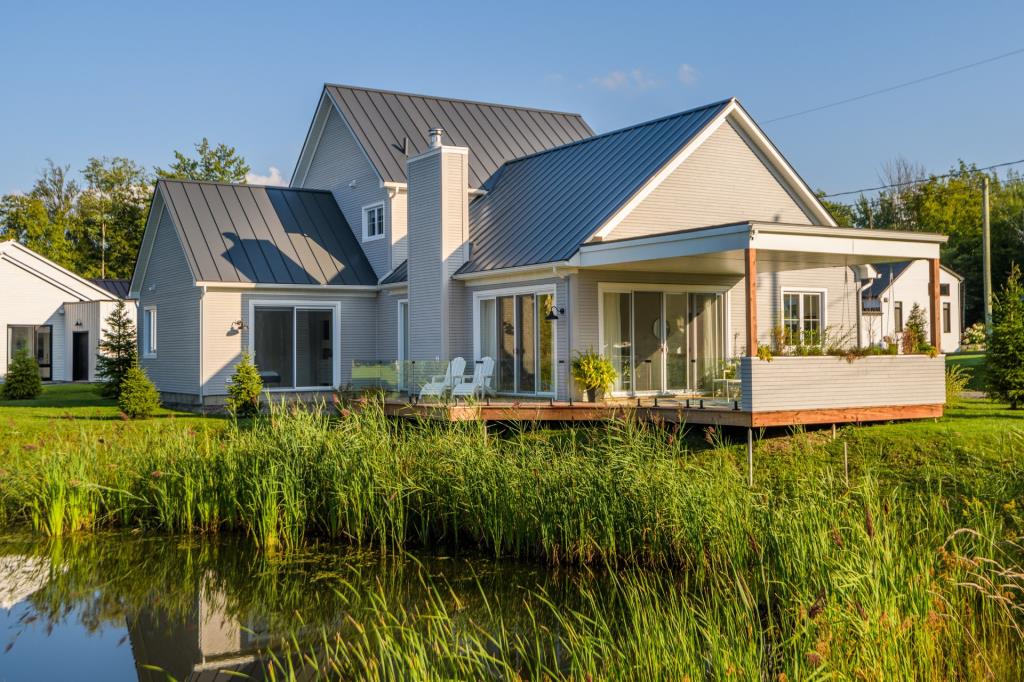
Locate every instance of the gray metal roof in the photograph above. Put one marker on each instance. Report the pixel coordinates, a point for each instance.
(398, 275)
(265, 235)
(389, 123)
(118, 287)
(541, 208)
(887, 274)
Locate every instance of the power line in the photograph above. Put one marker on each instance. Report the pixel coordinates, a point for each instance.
(918, 182)
(916, 81)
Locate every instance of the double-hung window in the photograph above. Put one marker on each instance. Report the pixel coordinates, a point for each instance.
(149, 331)
(802, 318)
(897, 313)
(293, 346)
(373, 222)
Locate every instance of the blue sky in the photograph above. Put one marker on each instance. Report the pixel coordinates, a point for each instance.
(142, 79)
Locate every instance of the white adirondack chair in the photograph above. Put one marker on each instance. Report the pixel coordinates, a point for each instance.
(479, 384)
(440, 384)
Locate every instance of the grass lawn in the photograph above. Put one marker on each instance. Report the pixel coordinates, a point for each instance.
(974, 363)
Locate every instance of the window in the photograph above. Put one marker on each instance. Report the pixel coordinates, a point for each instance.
(513, 330)
(293, 347)
(944, 289)
(897, 313)
(149, 332)
(802, 317)
(373, 222)
(37, 340)
(947, 320)
(403, 343)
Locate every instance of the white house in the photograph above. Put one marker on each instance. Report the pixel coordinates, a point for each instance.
(887, 303)
(53, 312)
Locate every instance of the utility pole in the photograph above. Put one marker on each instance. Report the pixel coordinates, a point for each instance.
(986, 254)
(103, 248)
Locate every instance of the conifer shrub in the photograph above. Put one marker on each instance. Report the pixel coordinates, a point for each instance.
(1004, 362)
(118, 351)
(22, 381)
(139, 398)
(244, 389)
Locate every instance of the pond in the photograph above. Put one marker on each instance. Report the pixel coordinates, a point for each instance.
(127, 607)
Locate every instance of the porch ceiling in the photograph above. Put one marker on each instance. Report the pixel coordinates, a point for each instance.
(719, 249)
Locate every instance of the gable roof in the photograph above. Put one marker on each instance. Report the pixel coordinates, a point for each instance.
(399, 275)
(117, 287)
(27, 260)
(264, 235)
(391, 126)
(889, 273)
(541, 208)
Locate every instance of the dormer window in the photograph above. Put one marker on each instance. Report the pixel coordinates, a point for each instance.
(373, 222)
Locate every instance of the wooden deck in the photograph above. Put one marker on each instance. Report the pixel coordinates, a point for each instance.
(716, 413)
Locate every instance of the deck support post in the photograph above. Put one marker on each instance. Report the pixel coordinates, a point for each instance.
(750, 287)
(935, 304)
(750, 457)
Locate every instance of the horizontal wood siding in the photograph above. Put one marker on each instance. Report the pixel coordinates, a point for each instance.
(169, 286)
(725, 180)
(426, 289)
(387, 326)
(807, 383)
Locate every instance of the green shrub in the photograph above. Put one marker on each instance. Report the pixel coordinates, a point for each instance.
(957, 379)
(915, 337)
(22, 381)
(974, 336)
(244, 389)
(1005, 359)
(118, 351)
(593, 372)
(139, 398)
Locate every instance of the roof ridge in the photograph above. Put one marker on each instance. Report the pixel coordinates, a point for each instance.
(619, 130)
(218, 183)
(453, 99)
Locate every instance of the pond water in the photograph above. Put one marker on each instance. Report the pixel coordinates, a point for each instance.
(128, 607)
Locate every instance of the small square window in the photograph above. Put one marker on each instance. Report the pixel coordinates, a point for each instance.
(944, 289)
(373, 222)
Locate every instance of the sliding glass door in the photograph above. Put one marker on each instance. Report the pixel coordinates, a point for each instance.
(37, 341)
(663, 341)
(513, 330)
(294, 346)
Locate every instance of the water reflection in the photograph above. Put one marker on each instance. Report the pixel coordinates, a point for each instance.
(124, 607)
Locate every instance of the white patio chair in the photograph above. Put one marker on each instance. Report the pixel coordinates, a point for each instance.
(440, 384)
(479, 384)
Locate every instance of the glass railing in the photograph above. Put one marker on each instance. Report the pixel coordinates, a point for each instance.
(411, 376)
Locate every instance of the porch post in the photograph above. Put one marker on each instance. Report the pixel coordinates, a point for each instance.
(750, 280)
(935, 304)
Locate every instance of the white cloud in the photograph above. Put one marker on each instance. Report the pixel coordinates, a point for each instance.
(687, 74)
(619, 79)
(273, 178)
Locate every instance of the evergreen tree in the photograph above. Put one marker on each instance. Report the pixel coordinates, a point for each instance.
(915, 332)
(245, 388)
(139, 398)
(22, 381)
(1005, 359)
(118, 351)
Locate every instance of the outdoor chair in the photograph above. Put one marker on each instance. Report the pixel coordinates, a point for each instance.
(478, 384)
(442, 384)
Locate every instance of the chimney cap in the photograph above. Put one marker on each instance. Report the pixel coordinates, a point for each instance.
(434, 134)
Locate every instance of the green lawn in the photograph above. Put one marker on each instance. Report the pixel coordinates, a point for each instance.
(973, 362)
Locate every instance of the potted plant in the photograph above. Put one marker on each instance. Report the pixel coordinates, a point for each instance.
(594, 373)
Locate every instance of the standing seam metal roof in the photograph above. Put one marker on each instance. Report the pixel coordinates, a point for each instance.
(542, 207)
(118, 287)
(383, 120)
(264, 235)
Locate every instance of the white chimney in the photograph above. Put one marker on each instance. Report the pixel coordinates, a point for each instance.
(435, 137)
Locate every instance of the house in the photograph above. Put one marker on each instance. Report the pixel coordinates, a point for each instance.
(53, 312)
(417, 229)
(887, 303)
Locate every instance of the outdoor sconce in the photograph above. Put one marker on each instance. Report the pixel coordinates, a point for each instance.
(78, 323)
(238, 325)
(553, 313)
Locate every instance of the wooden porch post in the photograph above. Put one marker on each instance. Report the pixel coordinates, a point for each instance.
(935, 304)
(750, 279)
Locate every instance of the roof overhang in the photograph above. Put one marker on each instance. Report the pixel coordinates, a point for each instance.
(780, 247)
(20, 256)
(340, 289)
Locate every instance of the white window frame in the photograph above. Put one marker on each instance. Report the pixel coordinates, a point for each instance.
(403, 303)
(301, 304)
(800, 309)
(537, 290)
(149, 327)
(367, 237)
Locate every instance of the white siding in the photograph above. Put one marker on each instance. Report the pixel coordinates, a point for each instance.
(832, 382)
(398, 221)
(36, 303)
(387, 324)
(725, 180)
(912, 287)
(169, 286)
(92, 315)
(340, 166)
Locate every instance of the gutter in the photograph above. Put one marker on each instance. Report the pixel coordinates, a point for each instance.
(540, 268)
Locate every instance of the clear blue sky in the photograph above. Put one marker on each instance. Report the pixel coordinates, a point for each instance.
(142, 79)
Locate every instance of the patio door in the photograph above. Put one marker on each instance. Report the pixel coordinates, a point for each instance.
(37, 340)
(513, 330)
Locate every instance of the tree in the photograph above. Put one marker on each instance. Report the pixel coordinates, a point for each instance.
(217, 164)
(915, 331)
(139, 398)
(25, 218)
(1004, 361)
(118, 351)
(22, 381)
(245, 388)
(112, 213)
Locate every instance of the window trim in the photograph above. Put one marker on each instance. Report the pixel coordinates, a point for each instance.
(800, 309)
(300, 304)
(401, 326)
(947, 317)
(898, 323)
(32, 346)
(149, 332)
(367, 237)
